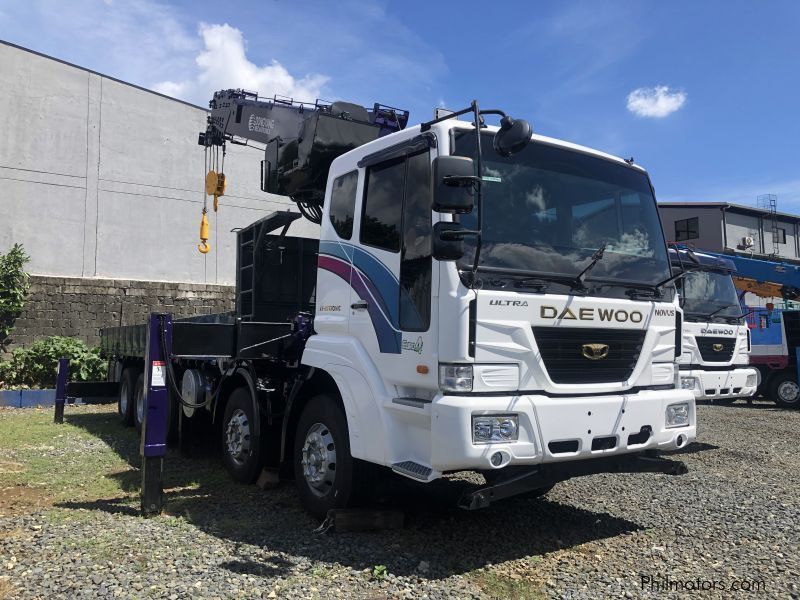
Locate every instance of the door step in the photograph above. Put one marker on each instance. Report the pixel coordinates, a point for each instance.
(412, 469)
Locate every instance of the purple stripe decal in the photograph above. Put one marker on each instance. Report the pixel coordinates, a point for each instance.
(388, 338)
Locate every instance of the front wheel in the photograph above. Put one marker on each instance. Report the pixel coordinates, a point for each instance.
(785, 390)
(324, 470)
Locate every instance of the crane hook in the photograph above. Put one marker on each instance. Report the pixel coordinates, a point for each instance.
(204, 247)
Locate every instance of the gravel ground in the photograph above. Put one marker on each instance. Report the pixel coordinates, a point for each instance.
(732, 521)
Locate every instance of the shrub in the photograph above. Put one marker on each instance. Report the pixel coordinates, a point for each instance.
(37, 366)
(14, 286)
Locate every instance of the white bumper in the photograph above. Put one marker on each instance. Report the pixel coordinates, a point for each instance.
(710, 385)
(556, 429)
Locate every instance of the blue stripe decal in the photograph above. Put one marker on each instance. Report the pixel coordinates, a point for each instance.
(374, 282)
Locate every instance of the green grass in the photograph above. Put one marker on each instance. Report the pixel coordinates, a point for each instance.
(500, 586)
(86, 458)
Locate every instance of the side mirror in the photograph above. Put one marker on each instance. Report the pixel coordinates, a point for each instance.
(448, 241)
(512, 137)
(453, 184)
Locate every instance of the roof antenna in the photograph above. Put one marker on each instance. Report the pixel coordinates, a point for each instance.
(629, 160)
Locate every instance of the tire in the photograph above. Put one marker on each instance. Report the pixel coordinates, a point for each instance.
(325, 473)
(125, 398)
(138, 403)
(241, 445)
(785, 390)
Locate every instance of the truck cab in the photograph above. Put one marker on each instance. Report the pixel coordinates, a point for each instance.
(555, 346)
(714, 360)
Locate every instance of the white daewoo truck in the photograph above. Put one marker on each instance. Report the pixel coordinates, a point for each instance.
(481, 299)
(714, 360)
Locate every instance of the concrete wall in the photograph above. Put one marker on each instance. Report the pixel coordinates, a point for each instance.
(104, 179)
(78, 308)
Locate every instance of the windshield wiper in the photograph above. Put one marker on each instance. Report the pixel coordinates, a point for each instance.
(528, 279)
(719, 310)
(598, 254)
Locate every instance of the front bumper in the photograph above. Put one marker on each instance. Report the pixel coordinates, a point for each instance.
(557, 429)
(716, 385)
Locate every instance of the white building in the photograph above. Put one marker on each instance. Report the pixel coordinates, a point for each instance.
(104, 179)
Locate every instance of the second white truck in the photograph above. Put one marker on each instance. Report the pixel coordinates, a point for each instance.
(714, 361)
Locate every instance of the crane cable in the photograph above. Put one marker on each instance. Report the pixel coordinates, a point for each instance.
(204, 247)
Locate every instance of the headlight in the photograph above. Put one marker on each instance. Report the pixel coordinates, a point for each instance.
(751, 381)
(495, 428)
(678, 415)
(688, 383)
(455, 378)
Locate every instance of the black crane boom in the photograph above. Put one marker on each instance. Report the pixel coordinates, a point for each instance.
(301, 139)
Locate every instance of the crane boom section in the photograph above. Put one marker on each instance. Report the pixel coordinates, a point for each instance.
(301, 140)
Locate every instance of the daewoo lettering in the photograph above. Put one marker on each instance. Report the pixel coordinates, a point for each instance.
(591, 314)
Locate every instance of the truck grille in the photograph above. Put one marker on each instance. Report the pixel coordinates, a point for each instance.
(562, 351)
(716, 349)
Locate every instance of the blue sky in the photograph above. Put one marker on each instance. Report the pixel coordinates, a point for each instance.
(703, 94)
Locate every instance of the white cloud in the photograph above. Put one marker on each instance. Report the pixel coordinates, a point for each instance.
(656, 102)
(223, 64)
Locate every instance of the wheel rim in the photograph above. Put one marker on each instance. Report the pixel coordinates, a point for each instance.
(318, 459)
(788, 391)
(237, 437)
(140, 404)
(123, 398)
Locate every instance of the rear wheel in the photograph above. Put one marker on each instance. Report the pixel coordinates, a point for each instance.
(785, 390)
(241, 444)
(138, 403)
(324, 470)
(125, 400)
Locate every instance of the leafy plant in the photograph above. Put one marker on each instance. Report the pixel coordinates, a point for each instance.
(379, 572)
(37, 366)
(14, 286)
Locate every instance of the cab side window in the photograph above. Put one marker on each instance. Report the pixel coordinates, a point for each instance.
(383, 201)
(415, 261)
(343, 203)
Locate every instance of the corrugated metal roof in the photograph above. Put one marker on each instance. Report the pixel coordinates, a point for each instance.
(728, 206)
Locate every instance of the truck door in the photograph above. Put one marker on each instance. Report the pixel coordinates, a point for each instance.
(392, 312)
(335, 259)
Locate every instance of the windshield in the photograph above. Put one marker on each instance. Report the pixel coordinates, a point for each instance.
(705, 292)
(548, 209)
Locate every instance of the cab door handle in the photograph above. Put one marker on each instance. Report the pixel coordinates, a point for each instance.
(361, 305)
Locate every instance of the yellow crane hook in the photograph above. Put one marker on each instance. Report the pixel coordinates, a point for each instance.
(215, 186)
(204, 247)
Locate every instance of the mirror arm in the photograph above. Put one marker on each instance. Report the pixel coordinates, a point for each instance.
(461, 180)
(479, 200)
(457, 235)
(493, 111)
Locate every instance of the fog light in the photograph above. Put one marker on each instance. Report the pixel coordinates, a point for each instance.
(455, 378)
(497, 459)
(688, 383)
(678, 415)
(751, 381)
(495, 428)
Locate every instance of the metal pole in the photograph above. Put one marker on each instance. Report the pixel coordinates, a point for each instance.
(156, 411)
(61, 389)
